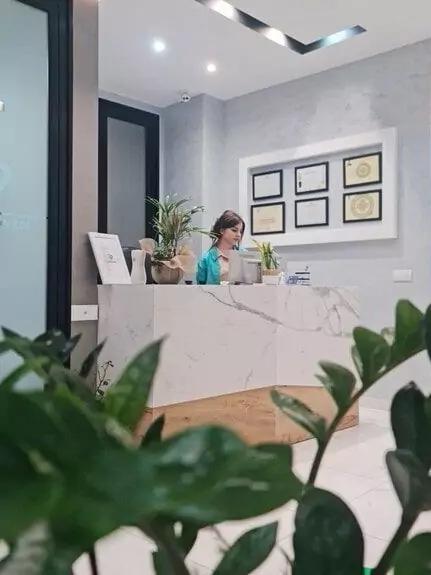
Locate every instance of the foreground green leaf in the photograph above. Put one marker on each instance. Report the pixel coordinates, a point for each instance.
(410, 480)
(327, 539)
(249, 552)
(371, 355)
(339, 381)
(427, 324)
(300, 414)
(414, 557)
(127, 399)
(409, 337)
(410, 423)
(154, 432)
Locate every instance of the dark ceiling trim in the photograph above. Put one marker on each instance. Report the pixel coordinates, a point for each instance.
(229, 11)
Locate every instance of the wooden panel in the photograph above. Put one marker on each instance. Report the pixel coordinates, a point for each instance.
(249, 413)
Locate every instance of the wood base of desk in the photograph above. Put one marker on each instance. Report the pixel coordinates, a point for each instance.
(249, 413)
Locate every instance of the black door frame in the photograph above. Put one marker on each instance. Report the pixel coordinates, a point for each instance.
(60, 48)
(151, 123)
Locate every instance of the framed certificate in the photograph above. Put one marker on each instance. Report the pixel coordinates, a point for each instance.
(312, 178)
(311, 213)
(362, 170)
(268, 185)
(268, 219)
(362, 206)
(109, 258)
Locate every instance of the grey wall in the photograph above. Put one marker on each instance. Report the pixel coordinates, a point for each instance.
(390, 90)
(126, 181)
(85, 164)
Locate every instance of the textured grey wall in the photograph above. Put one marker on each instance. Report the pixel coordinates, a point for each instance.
(390, 90)
(126, 181)
(85, 164)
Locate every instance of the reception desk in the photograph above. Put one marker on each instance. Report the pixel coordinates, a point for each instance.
(227, 346)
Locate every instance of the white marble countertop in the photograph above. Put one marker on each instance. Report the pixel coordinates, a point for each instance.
(225, 339)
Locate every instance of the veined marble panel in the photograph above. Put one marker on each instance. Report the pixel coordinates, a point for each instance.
(225, 339)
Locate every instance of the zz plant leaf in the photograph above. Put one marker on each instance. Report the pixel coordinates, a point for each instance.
(301, 414)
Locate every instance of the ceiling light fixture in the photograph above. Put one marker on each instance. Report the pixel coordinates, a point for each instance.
(211, 68)
(159, 46)
(226, 9)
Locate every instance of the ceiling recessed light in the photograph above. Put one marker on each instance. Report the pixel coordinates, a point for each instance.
(211, 68)
(159, 46)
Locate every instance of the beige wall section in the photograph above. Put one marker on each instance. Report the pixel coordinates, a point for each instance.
(85, 164)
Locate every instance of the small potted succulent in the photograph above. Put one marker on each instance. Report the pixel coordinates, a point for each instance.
(173, 226)
(270, 265)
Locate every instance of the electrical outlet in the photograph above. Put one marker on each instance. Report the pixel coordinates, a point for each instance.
(402, 276)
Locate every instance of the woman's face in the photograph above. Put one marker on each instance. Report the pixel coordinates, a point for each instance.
(232, 236)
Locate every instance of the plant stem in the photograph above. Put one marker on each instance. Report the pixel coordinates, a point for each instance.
(165, 542)
(385, 562)
(342, 412)
(93, 562)
(331, 430)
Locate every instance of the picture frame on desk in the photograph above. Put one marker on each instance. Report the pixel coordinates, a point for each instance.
(312, 213)
(267, 185)
(267, 219)
(363, 170)
(312, 178)
(364, 206)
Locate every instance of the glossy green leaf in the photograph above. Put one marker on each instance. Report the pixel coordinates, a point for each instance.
(25, 495)
(427, 328)
(90, 361)
(56, 345)
(414, 557)
(410, 480)
(410, 423)
(60, 376)
(371, 354)
(327, 539)
(339, 381)
(243, 481)
(154, 432)
(409, 337)
(249, 552)
(127, 399)
(300, 414)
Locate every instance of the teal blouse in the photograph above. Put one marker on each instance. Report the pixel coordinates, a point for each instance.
(208, 269)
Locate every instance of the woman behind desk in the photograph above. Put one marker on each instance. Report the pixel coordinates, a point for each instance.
(213, 267)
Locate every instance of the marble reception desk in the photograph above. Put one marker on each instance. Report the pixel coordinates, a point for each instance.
(227, 346)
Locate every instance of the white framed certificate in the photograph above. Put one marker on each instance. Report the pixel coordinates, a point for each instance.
(110, 259)
(268, 185)
(311, 213)
(268, 219)
(312, 178)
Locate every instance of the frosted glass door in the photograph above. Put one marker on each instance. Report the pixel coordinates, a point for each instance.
(24, 90)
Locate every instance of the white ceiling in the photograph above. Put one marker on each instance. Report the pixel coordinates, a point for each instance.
(246, 60)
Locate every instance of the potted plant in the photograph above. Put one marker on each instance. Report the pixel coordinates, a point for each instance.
(270, 264)
(173, 225)
(72, 472)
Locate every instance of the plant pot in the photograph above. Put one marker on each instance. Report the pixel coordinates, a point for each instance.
(163, 273)
(271, 277)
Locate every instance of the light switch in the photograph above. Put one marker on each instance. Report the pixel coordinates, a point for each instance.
(85, 312)
(402, 276)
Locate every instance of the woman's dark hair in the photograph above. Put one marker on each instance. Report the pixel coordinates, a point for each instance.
(226, 221)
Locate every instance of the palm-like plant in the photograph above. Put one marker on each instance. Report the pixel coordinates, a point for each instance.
(268, 256)
(172, 224)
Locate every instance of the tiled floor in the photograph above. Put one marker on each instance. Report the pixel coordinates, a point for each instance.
(353, 468)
